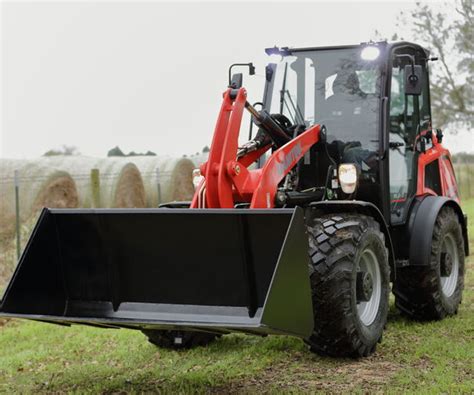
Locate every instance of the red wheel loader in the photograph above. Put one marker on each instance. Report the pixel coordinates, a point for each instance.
(345, 188)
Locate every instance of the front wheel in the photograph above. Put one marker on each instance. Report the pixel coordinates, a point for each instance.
(350, 278)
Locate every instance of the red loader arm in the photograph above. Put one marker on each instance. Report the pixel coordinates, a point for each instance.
(227, 179)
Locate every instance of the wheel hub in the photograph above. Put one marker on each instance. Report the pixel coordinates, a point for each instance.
(365, 286)
(368, 287)
(446, 264)
(449, 265)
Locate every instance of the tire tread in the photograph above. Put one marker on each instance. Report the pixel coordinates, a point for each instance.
(333, 246)
(417, 290)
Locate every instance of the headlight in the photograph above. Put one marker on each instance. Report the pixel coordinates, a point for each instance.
(347, 174)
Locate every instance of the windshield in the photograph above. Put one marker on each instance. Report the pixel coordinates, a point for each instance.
(333, 87)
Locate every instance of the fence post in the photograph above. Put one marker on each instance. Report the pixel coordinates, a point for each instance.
(95, 187)
(158, 185)
(17, 213)
(469, 180)
(458, 173)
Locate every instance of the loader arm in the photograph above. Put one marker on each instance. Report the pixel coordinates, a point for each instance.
(227, 179)
(215, 270)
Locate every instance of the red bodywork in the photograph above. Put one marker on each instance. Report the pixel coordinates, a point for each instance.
(227, 179)
(449, 186)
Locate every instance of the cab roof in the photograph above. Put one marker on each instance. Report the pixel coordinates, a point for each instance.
(286, 51)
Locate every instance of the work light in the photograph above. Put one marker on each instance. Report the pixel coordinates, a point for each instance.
(347, 174)
(370, 52)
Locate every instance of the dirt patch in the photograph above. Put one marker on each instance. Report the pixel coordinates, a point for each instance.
(315, 375)
(4, 322)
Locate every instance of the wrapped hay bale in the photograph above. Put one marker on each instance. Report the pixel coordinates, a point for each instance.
(45, 182)
(79, 167)
(121, 184)
(127, 190)
(174, 178)
(40, 186)
(198, 160)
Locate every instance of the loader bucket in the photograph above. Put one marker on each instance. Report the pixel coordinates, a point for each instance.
(213, 270)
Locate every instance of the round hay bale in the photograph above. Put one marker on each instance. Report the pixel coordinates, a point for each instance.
(174, 177)
(79, 167)
(121, 184)
(60, 192)
(179, 184)
(40, 186)
(129, 189)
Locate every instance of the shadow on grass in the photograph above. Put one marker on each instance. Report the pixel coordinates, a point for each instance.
(231, 364)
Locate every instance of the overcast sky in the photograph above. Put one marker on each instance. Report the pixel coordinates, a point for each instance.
(150, 75)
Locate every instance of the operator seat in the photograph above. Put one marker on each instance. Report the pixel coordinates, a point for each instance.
(344, 109)
(347, 108)
(347, 83)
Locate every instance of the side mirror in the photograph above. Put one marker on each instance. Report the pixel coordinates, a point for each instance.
(251, 72)
(439, 135)
(413, 81)
(236, 81)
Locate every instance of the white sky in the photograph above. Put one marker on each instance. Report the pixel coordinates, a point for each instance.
(149, 75)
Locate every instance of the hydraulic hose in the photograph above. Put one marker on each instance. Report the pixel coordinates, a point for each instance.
(265, 121)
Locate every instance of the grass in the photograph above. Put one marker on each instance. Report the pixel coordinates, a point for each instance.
(434, 357)
(465, 179)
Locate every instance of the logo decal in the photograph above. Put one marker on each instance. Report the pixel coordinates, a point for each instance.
(291, 157)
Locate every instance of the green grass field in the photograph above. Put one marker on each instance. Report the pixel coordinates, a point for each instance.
(435, 357)
(465, 179)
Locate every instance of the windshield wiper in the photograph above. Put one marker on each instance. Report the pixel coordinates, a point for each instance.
(298, 117)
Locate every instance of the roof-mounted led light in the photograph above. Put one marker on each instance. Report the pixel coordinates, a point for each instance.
(370, 52)
(283, 51)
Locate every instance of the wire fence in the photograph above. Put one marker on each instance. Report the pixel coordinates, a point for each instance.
(93, 179)
(22, 191)
(15, 187)
(83, 177)
(465, 179)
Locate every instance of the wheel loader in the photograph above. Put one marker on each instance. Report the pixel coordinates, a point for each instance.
(344, 191)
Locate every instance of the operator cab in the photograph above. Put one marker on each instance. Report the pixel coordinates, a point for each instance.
(359, 94)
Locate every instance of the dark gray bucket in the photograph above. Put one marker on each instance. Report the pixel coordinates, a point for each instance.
(217, 270)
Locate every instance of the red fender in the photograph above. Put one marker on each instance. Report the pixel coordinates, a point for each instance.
(449, 186)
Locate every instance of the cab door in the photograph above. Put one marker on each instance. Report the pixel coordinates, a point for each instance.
(409, 115)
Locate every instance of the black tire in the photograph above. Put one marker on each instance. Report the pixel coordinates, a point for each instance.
(178, 339)
(337, 244)
(419, 292)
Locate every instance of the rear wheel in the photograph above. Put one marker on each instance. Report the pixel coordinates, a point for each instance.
(350, 284)
(178, 339)
(434, 292)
